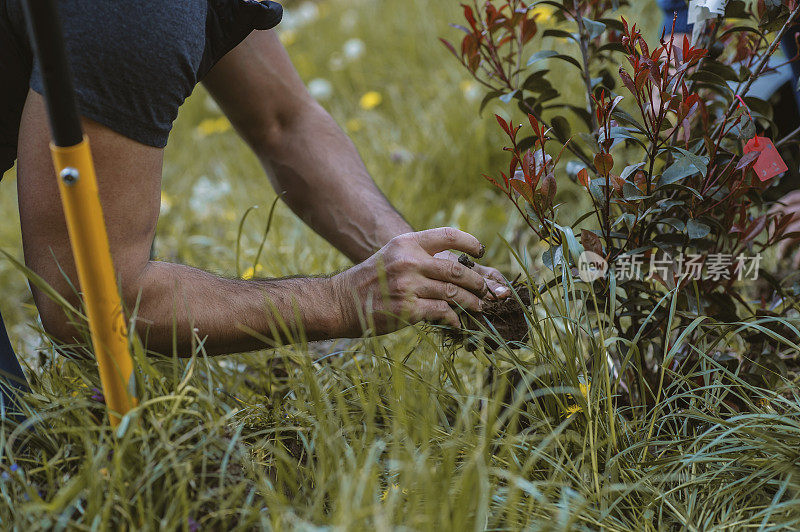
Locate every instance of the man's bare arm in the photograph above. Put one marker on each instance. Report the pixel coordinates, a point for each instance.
(302, 148)
(178, 302)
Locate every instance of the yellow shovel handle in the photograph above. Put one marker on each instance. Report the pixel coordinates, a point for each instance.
(87, 232)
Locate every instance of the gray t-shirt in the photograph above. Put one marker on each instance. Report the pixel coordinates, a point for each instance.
(134, 62)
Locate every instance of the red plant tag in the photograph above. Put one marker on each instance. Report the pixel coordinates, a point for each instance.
(769, 162)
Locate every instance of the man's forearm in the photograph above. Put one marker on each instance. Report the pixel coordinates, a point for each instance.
(305, 153)
(326, 183)
(178, 303)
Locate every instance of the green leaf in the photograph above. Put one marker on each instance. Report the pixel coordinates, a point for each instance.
(738, 29)
(560, 34)
(697, 229)
(488, 98)
(593, 28)
(626, 118)
(699, 161)
(678, 186)
(569, 59)
(719, 69)
(758, 106)
(630, 169)
(704, 76)
(632, 193)
(537, 82)
(561, 128)
(552, 257)
(574, 248)
(746, 130)
(541, 56)
(620, 133)
(612, 47)
(684, 167)
(505, 98)
(597, 192)
(674, 223)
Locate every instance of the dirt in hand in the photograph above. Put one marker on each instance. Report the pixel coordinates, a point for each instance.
(506, 316)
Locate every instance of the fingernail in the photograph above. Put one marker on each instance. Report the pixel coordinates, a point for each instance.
(503, 290)
(481, 251)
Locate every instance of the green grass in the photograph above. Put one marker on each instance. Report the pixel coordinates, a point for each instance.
(393, 432)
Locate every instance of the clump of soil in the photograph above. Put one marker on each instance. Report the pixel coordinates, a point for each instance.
(506, 316)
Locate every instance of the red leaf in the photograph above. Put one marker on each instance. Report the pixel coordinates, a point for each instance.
(657, 53)
(603, 162)
(469, 46)
(449, 47)
(640, 180)
(548, 187)
(641, 77)
(591, 242)
(474, 62)
(754, 229)
(643, 46)
(616, 182)
(748, 159)
(503, 124)
(492, 181)
(512, 167)
(470, 16)
(523, 189)
(528, 165)
(529, 29)
(534, 123)
(626, 79)
(583, 177)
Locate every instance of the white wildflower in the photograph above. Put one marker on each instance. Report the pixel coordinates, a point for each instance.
(320, 89)
(353, 49)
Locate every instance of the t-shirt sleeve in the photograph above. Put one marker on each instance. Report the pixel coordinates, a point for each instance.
(134, 63)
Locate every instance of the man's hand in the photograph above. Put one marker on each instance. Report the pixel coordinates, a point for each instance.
(495, 280)
(791, 205)
(404, 282)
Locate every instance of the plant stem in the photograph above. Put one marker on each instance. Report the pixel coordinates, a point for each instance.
(787, 138)
(587, 79)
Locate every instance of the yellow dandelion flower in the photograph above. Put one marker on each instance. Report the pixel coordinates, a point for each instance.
(209, 126)
(370, 100)
(287, 37)
(354, 125)
(541, 13)
(585, 388)
(393, 488)
(250, 272)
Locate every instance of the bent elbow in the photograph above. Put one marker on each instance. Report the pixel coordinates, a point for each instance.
(57, 323)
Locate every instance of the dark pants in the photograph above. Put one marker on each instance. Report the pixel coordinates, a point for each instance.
(12, 379)
(789, 46)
